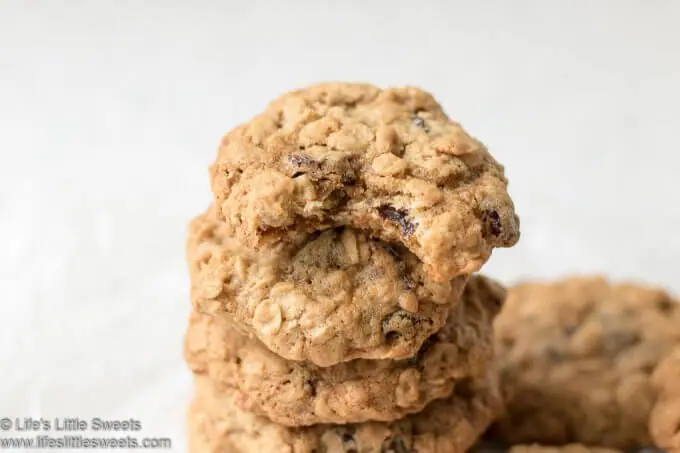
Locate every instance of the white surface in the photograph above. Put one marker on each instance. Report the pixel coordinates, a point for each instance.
(110, 112)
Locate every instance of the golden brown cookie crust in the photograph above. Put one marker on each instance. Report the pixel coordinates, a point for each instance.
(388, 162)
(576, 358)
(300, 393)
(451, 425)
(664, 422)
(327, 297)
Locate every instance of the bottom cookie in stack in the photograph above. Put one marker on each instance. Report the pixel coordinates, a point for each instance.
(451, 425)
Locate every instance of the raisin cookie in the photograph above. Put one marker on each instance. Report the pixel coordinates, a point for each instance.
(388, 162)
(665, 420)
(300, 393)
(576, 358)
(326, 297)
(451, 425)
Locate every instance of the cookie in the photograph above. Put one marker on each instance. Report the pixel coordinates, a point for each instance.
(451, 425)
(300, 393)
(576, 358)
(665, 419)
(571, 448)
(327, 297)
(387, 162)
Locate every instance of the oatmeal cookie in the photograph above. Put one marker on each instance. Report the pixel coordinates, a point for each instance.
(300, 393)
(451, 425)
(576, 358)
(326, 297)
(387, 162)
(665, 419)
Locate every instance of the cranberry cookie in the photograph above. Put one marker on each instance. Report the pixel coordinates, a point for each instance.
(576, 358)
(387, 162)
(326, 297)
(300, 393)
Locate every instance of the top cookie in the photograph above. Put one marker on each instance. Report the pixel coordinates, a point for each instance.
(664, 423)
(389, 162)
(576, 358)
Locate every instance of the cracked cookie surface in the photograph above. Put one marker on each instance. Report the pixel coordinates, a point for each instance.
(664, 422)
(326, 297)
(388, 162)
(451, 425)
(300, 393)
(576, 358)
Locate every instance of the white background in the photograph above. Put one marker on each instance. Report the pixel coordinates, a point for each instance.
(111, 111)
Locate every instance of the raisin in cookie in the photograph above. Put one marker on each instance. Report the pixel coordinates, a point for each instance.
(388, 162)
(300, 393)
(576, 358)
(451, 425)
(665, 419)
(326, 297)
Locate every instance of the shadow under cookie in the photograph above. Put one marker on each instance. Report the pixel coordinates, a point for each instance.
(300, 393)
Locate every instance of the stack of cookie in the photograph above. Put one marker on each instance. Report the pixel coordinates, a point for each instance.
(333, 304)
